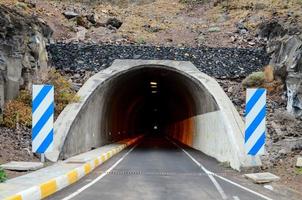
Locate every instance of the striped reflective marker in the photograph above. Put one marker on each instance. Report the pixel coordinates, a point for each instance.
(255, 121)
(42, 118)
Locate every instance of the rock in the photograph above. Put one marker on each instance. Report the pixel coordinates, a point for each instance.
(286, 55)
(24, 57)
(22, 166)
(269, 187)
(214, 29)
(93, 18)
(243, 31)
(201, 39)
(270, 29)
(231, 62)
(261, 178)
(114, 22)
(241, 27)
(80, 35)
(299, 162)
(152, 29)
(70, 14)
(294, 94)
(283, 152)
(287, 63)
(82, 21)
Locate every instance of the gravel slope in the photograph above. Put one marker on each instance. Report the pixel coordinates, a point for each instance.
(217, 62)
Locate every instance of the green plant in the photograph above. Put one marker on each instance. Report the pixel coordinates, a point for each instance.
(3, 176)
(140, 40)
(256, 79)
(299, 170)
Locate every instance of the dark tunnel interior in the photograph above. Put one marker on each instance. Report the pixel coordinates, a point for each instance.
(154, 101)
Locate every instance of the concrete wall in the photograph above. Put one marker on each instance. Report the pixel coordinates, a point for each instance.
(211, 125)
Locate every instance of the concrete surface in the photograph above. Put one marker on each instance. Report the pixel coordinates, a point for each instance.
(265, 177)
(157, 169)
(299, 162)
(22, 166)
(202, 117)
(46, 181)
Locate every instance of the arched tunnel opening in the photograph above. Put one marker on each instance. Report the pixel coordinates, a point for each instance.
(162, 98)
(154, 101)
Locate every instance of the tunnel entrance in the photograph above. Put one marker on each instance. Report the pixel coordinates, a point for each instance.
(167, 98)
(154, 100)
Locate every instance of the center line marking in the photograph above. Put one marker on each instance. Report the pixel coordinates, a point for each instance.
(211, 174)
(98, 178)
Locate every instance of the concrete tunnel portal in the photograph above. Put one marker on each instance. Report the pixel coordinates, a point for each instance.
(168, 98)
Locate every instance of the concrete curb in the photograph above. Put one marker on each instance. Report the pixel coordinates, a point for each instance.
(54, 185)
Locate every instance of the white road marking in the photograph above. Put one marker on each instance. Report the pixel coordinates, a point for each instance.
(236, 198)
(216, 175)
(216, 184)
(98, 178)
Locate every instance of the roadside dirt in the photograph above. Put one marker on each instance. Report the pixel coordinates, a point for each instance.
(281, 154)
(15, 146)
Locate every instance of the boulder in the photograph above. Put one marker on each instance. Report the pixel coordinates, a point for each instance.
(114, 22)
(286, 60)
(270, 29)
(82, 21)
(294, 94)
(286, 55)
(287, 63)
(23, 55)
(70, 14)
(93, 18)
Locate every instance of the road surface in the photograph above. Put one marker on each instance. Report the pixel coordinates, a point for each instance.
(158, 169)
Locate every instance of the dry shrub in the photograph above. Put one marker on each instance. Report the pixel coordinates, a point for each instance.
(16, 111)
(63, 91)
(19, 110)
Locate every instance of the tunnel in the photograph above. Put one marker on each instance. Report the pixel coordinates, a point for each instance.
(154, 101)
(158, 98)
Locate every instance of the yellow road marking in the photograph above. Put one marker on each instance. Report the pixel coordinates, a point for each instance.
(48, 188)
(87, 168)
(72, 176)
(15, 197)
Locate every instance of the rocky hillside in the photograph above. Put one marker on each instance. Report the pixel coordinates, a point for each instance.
(23, 55)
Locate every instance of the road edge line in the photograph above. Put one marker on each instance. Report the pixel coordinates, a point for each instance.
(51, 186)
(218, 176)
(72, 195)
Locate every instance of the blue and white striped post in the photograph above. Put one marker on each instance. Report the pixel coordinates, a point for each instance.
(42, 119)
(255, 127)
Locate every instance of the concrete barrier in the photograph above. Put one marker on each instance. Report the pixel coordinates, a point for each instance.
(113, 105)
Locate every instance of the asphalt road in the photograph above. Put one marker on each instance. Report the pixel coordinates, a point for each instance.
(157, 168)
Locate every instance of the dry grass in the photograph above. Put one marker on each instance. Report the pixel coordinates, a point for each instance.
(18, 111)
